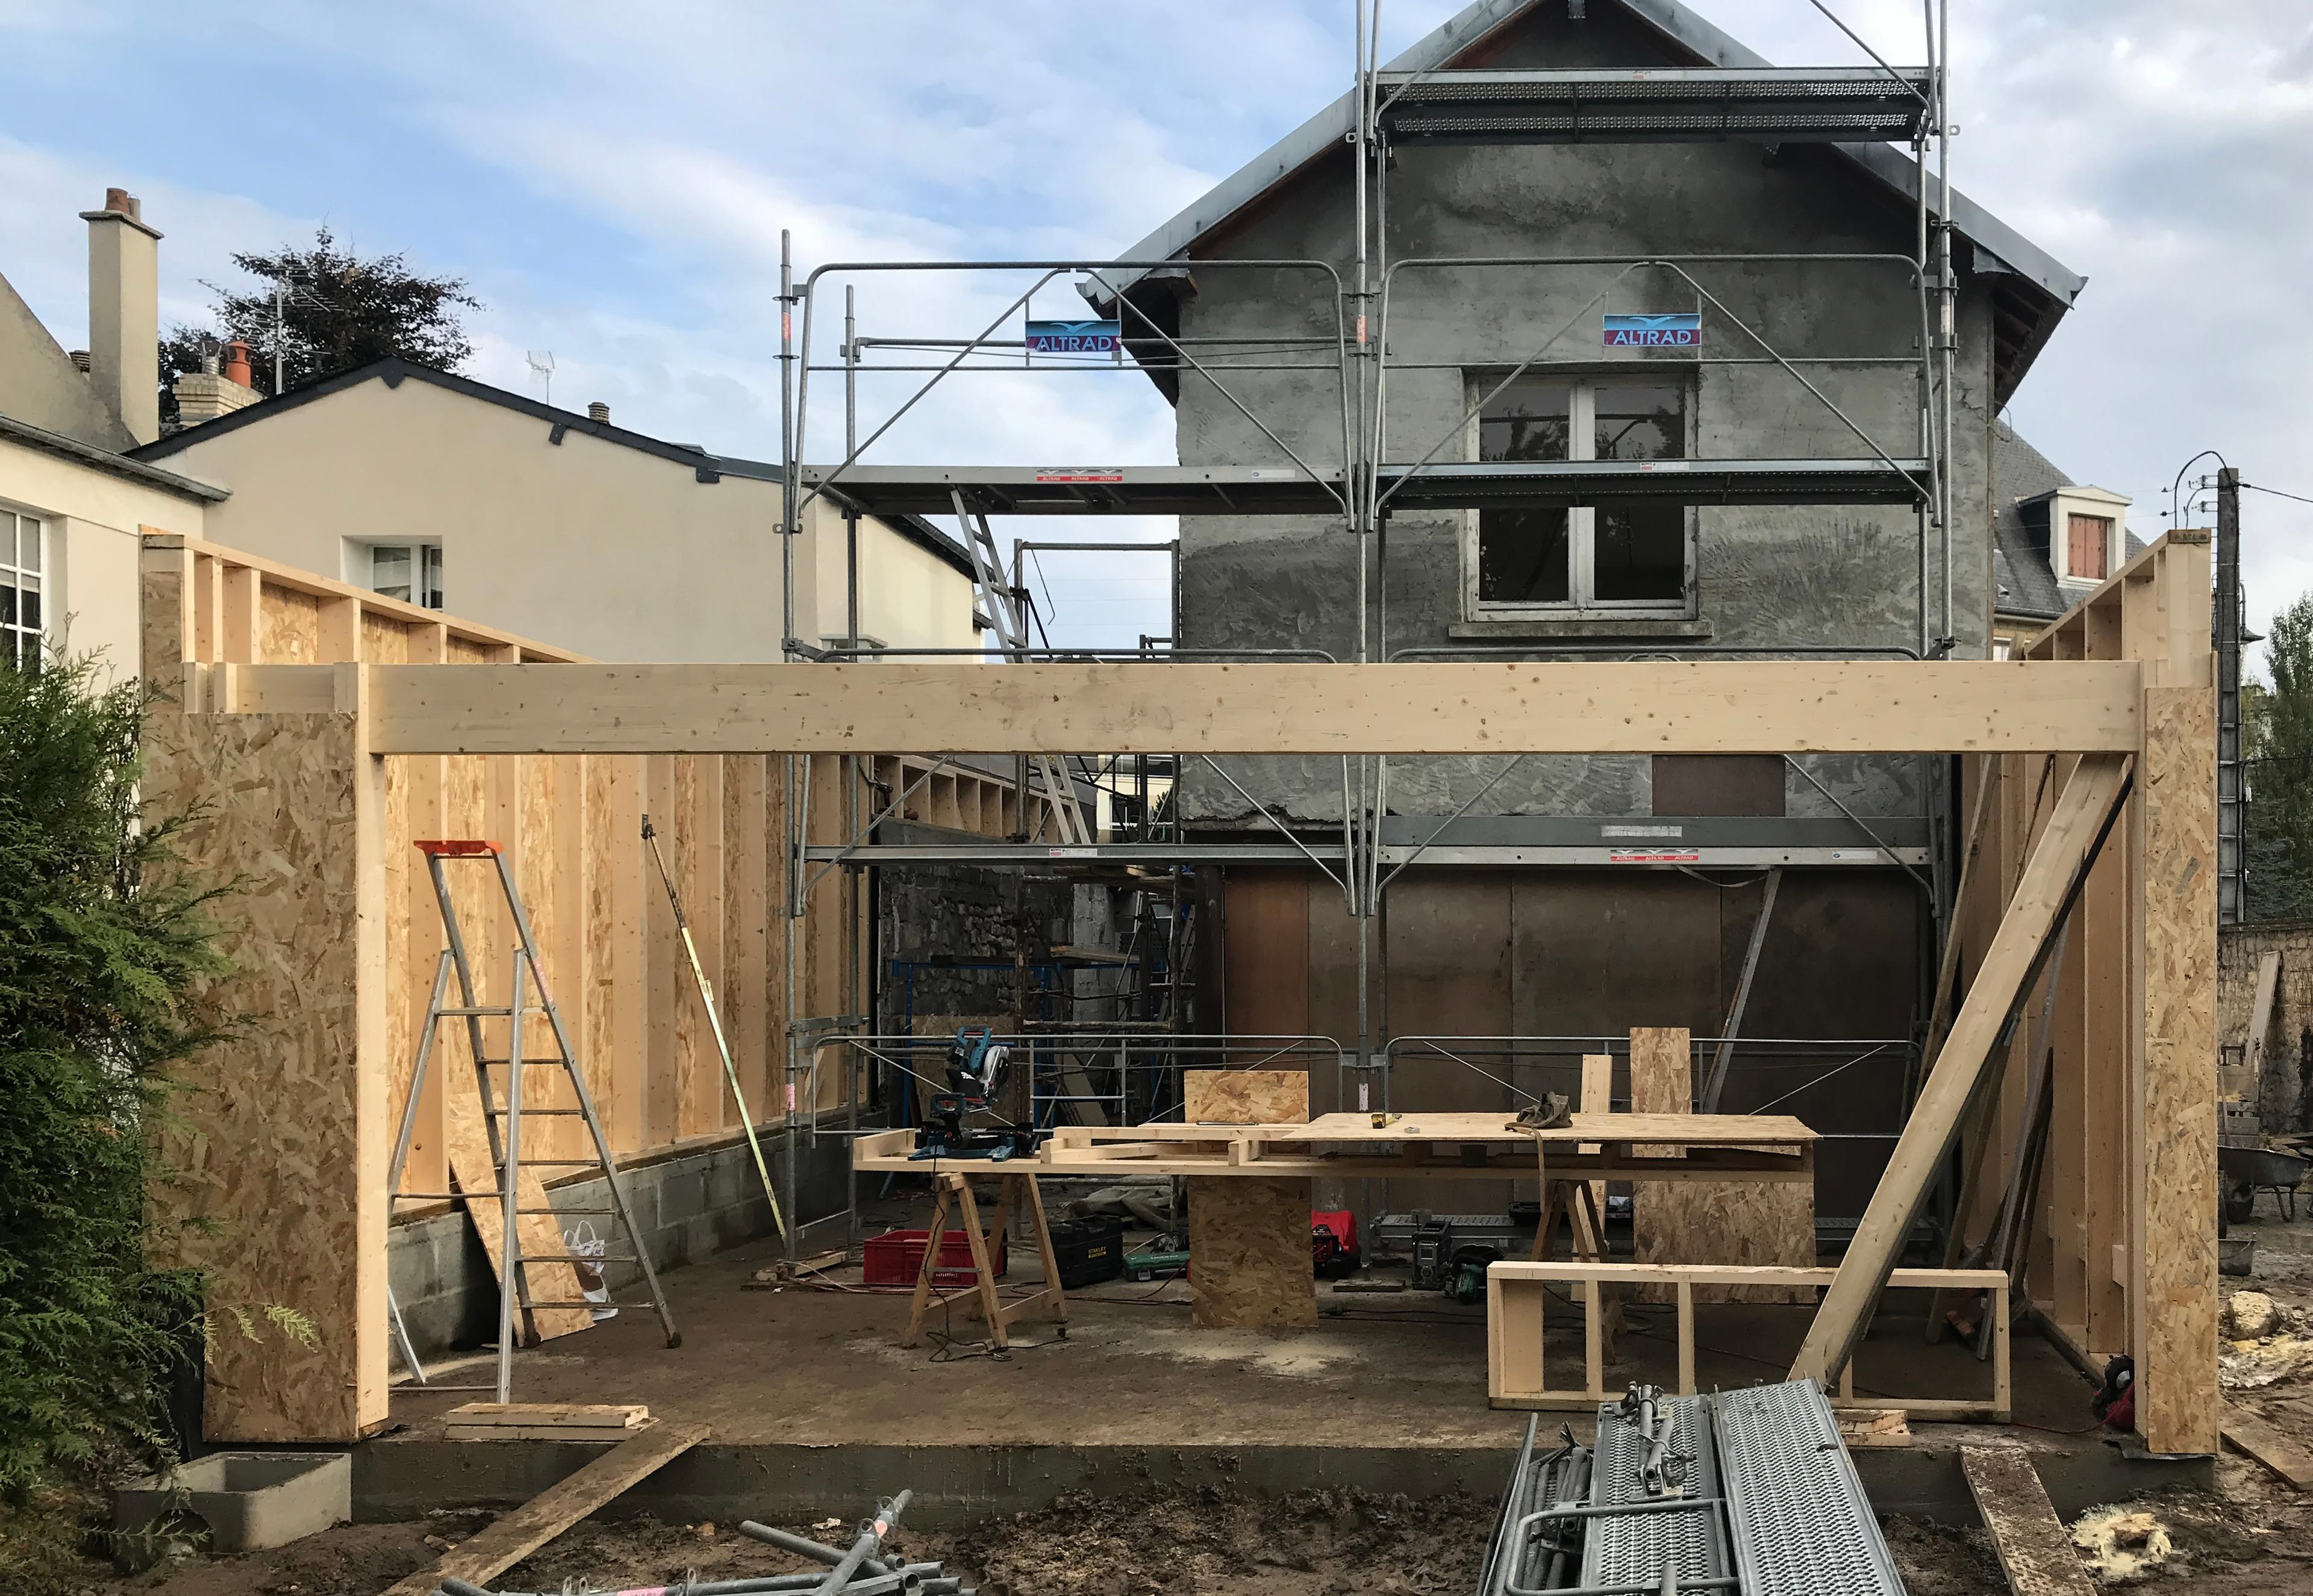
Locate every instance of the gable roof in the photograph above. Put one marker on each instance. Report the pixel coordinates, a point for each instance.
(393, 371)
(2048, 283)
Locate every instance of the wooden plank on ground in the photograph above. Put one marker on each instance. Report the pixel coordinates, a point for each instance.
(2033, 1548)
(2252, 1437)
(1761, 707)
(549, 1513)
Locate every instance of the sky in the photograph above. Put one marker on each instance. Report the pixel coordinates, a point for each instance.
(613, 181)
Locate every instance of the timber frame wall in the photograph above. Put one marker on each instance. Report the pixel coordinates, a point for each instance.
(2122, 1239)
(284, 1139)
(2100, 744)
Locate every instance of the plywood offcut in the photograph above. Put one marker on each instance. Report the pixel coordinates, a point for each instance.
(1244, 1097)
(1711, 1221)
(1249, 1263)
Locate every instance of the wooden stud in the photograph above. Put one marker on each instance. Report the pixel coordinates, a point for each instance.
(1594, 1342)
(1686, 1338)
(238, 624)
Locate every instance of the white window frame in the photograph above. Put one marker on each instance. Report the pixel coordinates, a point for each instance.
(1582, 524)
(361, 566)
(17, 635)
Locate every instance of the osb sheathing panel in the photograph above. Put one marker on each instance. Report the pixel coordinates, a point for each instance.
(1245, 1097)
(2177, 1390)
(278, 1142)
(289, 627)
(1249, 1263)
(1710, 1222)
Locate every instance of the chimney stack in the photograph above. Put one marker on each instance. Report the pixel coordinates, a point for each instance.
(124, 313)
(596, 410)
(208, 393)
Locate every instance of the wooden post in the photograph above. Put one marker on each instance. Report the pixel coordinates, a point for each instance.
(2176, 1403)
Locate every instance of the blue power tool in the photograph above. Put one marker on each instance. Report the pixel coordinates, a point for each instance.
(976, 1068)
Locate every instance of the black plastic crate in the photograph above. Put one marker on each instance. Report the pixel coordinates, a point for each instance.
(1088, 1250)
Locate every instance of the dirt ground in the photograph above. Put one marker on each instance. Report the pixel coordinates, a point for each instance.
(1188, 1543)
(2251, 1536)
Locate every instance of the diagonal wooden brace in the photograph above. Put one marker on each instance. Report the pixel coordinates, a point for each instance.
(2083, 815)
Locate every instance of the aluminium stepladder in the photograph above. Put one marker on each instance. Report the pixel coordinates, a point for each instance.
(504, 1125)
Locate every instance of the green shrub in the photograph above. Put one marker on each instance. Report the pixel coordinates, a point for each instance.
(102, 942)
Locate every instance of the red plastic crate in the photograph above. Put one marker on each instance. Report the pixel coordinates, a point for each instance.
(893, 1258)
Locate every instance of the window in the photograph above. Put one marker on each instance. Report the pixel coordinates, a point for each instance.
(410, 572)
(23, 579)
(2088, 547)
(1621, 558)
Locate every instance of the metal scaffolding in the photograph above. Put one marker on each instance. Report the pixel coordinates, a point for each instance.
(1361, 478)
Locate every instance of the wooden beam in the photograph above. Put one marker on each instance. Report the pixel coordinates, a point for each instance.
(2050, 879)
(2034, 1552)
(1760, 707)
(523, 1531)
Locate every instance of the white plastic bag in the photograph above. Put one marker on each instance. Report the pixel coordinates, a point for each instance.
(585, 1244)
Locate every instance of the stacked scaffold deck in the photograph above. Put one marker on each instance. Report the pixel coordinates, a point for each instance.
(1750, 1492)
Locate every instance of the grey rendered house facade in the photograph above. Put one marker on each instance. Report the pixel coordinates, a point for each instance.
(1482, 938)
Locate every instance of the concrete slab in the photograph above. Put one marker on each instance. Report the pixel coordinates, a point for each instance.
(250, 1500)
(807, 1392)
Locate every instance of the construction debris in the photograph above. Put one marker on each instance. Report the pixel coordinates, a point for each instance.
(2120, 1544)
(2251, 1316)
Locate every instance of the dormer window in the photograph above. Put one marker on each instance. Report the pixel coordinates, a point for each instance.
(2081, 531)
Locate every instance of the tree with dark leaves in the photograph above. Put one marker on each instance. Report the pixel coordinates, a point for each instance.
(2277, 746)
(335, 310)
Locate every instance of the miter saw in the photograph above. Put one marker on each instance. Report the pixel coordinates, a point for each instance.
(977, 1066)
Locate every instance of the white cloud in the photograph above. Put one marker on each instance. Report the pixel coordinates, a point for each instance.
(43, 191)
(2160, 149)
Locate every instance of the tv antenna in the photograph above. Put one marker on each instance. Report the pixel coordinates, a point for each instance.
(541, 366)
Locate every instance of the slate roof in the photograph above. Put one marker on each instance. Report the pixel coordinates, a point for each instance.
(2024, 583)
(394, 371)
(2045, 288)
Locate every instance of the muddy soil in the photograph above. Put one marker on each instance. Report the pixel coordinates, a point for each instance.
(1194, 1543)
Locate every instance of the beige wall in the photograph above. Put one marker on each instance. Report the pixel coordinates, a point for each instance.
(40, 386)
(92, 519)
(608, 551)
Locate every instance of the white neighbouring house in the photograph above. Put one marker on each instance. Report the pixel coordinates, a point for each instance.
(423, 485)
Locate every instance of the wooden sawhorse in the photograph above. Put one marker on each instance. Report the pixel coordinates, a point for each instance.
(954, 1189)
